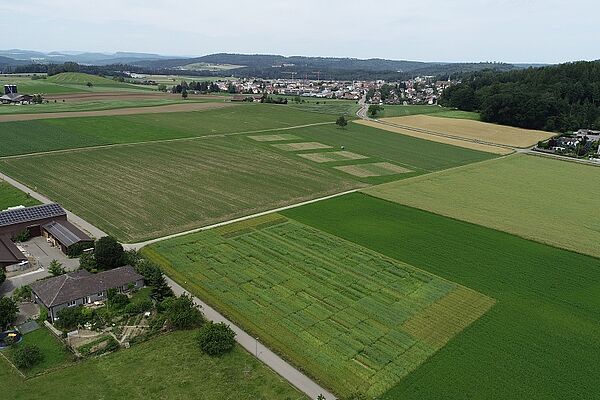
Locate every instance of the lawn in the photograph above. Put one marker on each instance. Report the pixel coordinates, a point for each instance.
(418, 155)
(166, 367)
(472, 130)
(539, 341)
(149, 190)
(11, 197)
(437, 111)
(353, 319)
(547, 200)
(54, 352)
(54, 134)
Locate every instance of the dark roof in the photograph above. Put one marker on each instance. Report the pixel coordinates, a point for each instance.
(15, 97)
(66, 233)
(79, 284)
(9, 253)
(31, 214)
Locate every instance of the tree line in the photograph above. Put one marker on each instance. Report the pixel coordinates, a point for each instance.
(557, 98)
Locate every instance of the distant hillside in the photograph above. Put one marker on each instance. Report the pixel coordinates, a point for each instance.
(88, 58)
(276, 66)
(560, 98)
(79, 78)
(6, 61)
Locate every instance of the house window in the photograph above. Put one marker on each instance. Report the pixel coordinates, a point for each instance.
(72, 303)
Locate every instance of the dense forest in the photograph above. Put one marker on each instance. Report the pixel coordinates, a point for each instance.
(558, 98)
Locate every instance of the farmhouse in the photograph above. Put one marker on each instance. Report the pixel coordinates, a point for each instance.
(16, 98)
(48, 220)
(82, 287)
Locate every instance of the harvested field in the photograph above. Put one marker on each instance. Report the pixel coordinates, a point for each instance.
(330, 306)
(150, 190)
(302, 146)
(274, 138)
(472, 130)
(516, 194)
(170, 108)
(374, 169)
(332, 156)
(437, 138)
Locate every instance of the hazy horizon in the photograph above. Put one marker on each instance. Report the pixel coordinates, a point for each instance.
(510, 31)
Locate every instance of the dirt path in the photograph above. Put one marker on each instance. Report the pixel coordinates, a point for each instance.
(170, 108)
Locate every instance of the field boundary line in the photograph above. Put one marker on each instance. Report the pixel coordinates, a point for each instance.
(139, 245)
(182, 139)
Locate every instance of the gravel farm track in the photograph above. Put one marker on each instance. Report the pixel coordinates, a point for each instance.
(169, 108)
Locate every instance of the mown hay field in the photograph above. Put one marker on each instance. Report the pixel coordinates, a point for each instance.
(376, 145)
(472, 130)
(437, 111)
(149, 190)
(167, 367)
(57, 134)
(353, 319)
(540, 339)
(436, 138)
(547, 200)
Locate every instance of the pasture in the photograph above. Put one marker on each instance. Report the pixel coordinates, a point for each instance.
(148, 190)
(169, 366)
(539, 341)
(538, 198)
(436, 138)
(436, 111)
(472, 130)
(11, 197)
(67, 82)
(25, 137)
(353, 319)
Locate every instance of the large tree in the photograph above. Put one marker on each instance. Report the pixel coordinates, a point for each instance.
(109, 253)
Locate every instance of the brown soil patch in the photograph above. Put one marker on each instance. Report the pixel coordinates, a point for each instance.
(170, 108)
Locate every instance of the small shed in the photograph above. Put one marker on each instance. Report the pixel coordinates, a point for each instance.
(65, 235)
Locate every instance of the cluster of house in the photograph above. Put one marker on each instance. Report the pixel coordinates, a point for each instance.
(298, 87)
(70, 289)
(11, 96)
(420, 90)
(586, 141)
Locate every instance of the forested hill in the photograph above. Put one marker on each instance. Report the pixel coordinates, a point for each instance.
(556, 98)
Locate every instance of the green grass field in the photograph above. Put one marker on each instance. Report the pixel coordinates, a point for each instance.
(436, 111)
(539, 341)
(418, 155)
(66, 82)
(326, 106)
(11, 197)
(92, 105)
(351, 318)
(54, 352)
(166, 367)
(149, 190)
(55, 134)
(543, 199)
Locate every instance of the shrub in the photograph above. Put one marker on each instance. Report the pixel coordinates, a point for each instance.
(55, 268)
(77, 249)
(87, 261)
(215, 339)
(117, 300)
(22, 293)
(43, 314)
(154, 278)
(27, 356)
(72, 317)
(181, 312)
(8, 311)
(139, 307)
(2, 276)
(22, 237)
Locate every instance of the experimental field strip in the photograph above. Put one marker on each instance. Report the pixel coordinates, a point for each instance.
(332, 156)
(374, 169)
(355, 319)
(301, 146)
(274, 138)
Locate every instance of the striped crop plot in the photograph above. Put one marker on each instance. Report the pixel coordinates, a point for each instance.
(332, 156)
(353, 318)
(138, 192)
(302, 146)
(374, 169)
(274, 138)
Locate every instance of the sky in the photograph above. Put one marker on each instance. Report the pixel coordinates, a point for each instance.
(527, 31)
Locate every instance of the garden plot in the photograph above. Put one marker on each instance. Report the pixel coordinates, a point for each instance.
(274, 138)
(374, 169)
(357, 320)
(333, 156)
(301, 146)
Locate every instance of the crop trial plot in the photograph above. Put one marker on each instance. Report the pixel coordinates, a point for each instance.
(274, 138)
(301, 146)
(375, 169)
(333, 156)
(357, 320)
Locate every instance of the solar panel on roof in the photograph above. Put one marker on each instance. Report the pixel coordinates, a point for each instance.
(31, 214)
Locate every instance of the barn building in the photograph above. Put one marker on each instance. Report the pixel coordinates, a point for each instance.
(48, 220)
